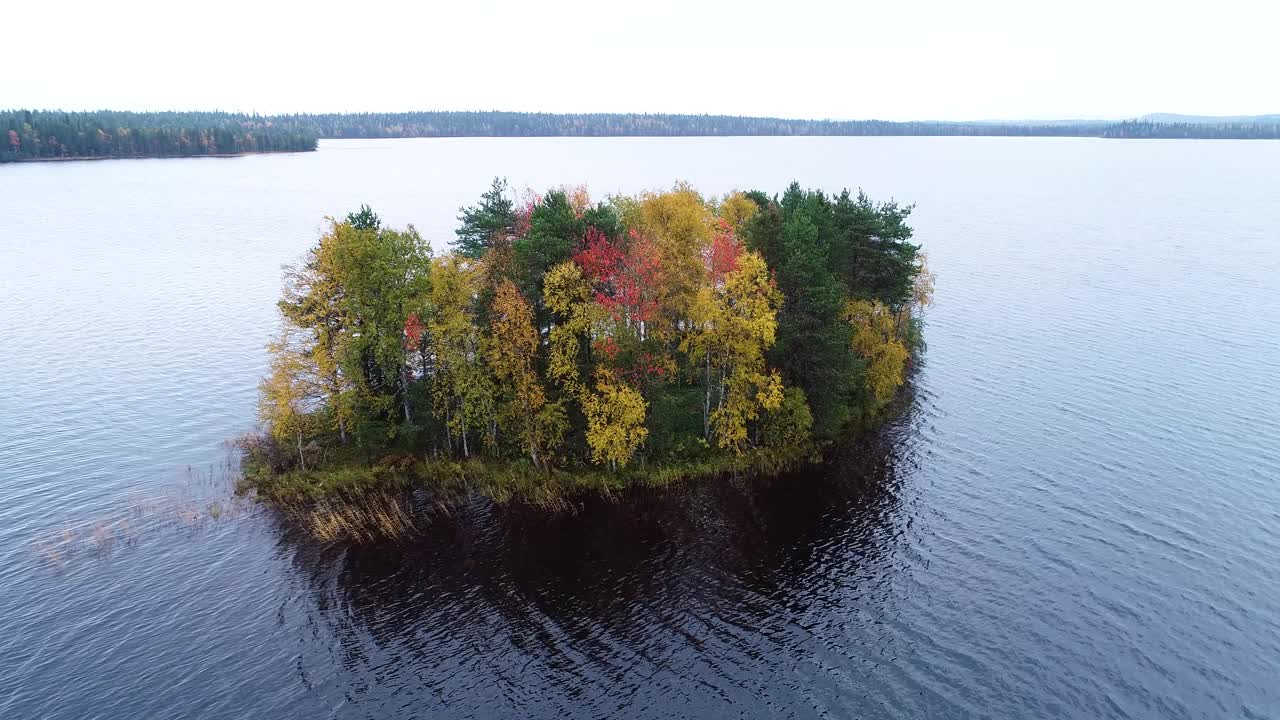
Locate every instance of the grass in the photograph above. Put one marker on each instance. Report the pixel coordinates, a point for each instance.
(366, 502)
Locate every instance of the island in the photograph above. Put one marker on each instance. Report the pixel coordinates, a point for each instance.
(37, 135)
(565, 345)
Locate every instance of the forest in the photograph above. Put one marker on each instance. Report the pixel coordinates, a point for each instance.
(51, 135)
(564, 342)
(519, 124)
(39, 135)
(1194, 130)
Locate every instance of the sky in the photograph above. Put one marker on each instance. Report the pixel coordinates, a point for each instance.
(892, 60)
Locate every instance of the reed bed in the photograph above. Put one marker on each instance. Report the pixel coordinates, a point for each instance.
(361, 518)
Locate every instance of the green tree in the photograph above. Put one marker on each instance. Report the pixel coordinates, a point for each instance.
(462, 389)
(384, 275)
(489, 223)
(871, 249)
(813, 349)
(554, 231)
(364, 219)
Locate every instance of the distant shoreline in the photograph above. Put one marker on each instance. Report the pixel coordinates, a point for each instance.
(707, 137)
(91, 158)
(40, 135)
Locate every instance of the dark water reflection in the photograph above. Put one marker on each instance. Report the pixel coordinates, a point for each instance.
(702, 600)
(1078, 518)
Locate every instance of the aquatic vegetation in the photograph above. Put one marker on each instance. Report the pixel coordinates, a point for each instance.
(363, 517)
(203, 500)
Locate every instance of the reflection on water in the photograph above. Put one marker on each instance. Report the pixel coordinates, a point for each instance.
(659, 604)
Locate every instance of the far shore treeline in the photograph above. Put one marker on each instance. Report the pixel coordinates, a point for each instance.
(51, 135)
(31, 135)
(565, 342)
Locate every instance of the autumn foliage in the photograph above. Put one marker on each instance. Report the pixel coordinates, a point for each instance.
(567, 332)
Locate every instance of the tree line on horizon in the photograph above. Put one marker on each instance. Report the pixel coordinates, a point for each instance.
(522, 124)
(41, 135)
(1227, 130)
(561, 332)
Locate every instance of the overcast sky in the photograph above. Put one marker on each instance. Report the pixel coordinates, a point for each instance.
(889, 59)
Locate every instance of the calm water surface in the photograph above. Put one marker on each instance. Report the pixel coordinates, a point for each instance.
(1078, 516)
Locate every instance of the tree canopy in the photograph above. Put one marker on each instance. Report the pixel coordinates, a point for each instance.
(564, 332)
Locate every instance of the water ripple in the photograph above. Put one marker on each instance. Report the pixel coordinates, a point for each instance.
(1075, 516)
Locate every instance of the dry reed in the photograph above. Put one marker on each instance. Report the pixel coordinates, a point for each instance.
(362, 518)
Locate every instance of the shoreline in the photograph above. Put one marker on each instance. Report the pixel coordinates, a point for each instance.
(92, 158)
(382, 500)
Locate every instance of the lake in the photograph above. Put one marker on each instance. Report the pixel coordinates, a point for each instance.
(1076, 516)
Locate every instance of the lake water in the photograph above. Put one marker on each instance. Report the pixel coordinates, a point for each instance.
(1077, 517)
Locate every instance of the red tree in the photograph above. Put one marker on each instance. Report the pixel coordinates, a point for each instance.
(599, 257)
(414, 329)
(625, 281)
(722, 257)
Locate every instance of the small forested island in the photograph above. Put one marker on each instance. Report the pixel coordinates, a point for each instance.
(565, 345)
(29, 135)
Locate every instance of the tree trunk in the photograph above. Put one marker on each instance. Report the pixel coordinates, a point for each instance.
(335, 393)
(706, 405)
(720, 393)
(404, 388)
(301, 460)
(448, 432)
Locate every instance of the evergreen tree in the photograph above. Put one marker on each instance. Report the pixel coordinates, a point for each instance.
(488, 223)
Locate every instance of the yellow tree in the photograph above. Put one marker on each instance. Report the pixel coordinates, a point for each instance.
(289, 395)
(579, 198)
(513, 348)
(875, 339)
(681, 225)
(313, 304)
(615, 420)
(567, 293)
(734, 323)
(462, 392)
(922, 284)
(615, 411)
(736, 209)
